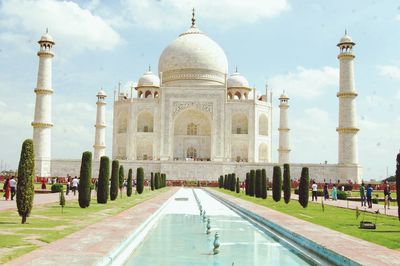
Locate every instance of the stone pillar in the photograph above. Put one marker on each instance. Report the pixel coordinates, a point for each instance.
(100, 135)
(283, 149)
(42, 119)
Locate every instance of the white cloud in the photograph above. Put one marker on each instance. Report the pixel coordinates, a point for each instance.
(225, 13)
(390, 71)
(74, 28)
(306, 83)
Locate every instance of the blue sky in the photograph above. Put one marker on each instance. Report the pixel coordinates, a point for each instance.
(292, 44)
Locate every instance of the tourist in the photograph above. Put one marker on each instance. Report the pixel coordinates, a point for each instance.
(6, 188)
(334, 192)
(386, 193)
(75, 183)
(369, 195)
(13, 187)
(68, 184)
(314, 191)
(43, 183)
(326, 192)
(362, 195)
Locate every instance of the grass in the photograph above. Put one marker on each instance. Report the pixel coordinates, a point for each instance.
(339, 219)
(47, 224)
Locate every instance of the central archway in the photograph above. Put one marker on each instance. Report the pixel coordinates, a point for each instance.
(192, 136)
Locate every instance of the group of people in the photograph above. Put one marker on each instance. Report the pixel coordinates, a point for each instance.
(72, 184)
(10, 188)
(314, 189)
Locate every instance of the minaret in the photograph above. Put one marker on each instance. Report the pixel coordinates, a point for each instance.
(283, 130)
(42, 120)
(100, 136)
(347, 129)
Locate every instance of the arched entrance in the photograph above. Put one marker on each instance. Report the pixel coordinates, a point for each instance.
(192, 135)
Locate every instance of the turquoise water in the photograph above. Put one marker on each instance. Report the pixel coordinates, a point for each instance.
(180, 239)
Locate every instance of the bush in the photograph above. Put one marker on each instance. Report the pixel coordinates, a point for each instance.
(157, 180)
(341, 195)
(26, 174)
(277, 184)
(264, 184)
(114, 180)
(252, 183)
(246, 184)
(152, 181)
(221, 181)
(303, 187)
(129, 183)
(85, 180)
(57, 187)
(347, 187)
(233, 182)
(139, 180)
(121, 179)
(286, 183)
(374, 200)
(237, 185)
(62, 200)
(258, 184)
(104, 180)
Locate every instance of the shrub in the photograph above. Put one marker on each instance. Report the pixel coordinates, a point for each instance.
(341, 195)
(62, 200)
(286, 183)
(347, 187)
(252, 182)
(246, 184)
(139, 180)
(26, 174)
(221, 181)
(258, 184)
(129, 183)
(277, 184)
(114, 180)
(85, 180)
(57, 187)
(303, 187)
(237, 185)
(104, 180)
(157, 180)
(233, 182)
(121, 179)
(264, 184)
(152, 181)
(374, 200)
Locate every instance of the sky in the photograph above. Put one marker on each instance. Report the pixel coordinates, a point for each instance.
(289, 44)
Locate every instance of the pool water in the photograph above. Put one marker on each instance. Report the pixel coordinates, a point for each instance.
(179, 238)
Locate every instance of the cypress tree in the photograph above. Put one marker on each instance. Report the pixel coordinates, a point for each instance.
(233, 182)
(139, 180)
(121, 179)
(264, 184)
(114, 180)
(129, 183)
(156, 181)
(277, 184)
(85, 180)
(398, 184)
(104, 180)
(225, 181)
(221, 181)
(252, 183)
(237, 185)
(246, 184)
(286, 183)
(152, 181)
(26, 174)
(229, 181)
(258, 186)
(303, 187)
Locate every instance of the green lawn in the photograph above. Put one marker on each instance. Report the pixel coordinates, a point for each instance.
(47, 223)
(343, 220)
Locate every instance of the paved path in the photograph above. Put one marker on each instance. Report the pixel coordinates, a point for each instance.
(356, 249)
(90, 245)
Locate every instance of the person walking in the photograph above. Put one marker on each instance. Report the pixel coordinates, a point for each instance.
(314, 188)
(68, 185)
(326, 192)
(6, 188)
(362, 195)
(13, 187)
(75, 183)
(386, 193)
(369, 195)
(334, 192)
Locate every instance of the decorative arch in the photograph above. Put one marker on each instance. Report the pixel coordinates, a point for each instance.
(238, 95)
(229, 95)
(147, 94)
(239, 123)
(192, 129)
(145, 122)
(144, 150)
(191, 152)
(263, 125)
(239, 152)
(263, 153)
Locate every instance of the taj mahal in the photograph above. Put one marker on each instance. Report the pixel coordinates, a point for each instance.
(193, 120)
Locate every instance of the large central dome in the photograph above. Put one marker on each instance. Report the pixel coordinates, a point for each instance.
(193, 56)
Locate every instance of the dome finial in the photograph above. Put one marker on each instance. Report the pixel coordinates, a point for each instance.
(47, 30)
(193, 19)
(149, 68)
(236, 69)
(345, 31)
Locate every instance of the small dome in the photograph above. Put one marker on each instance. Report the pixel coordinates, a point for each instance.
(46, 38)
(283, 95)
(101, 93)
(237, 80)
(346, 39)
(148, 80)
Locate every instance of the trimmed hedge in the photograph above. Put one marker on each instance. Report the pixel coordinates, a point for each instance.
(303, 187)
(114, 180)
(258, 185)
(277, 184)
(104, 180)
(221, 181)
(247, 182)
(340, 195)
(55, 188)
(26, 174)
(139, 180)
(252, 183)
(85, 180)
(233, 182)
(286, 183)
(264, 184)
(121, 178)
(237, 185)
(152, 181)
(129, 183)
